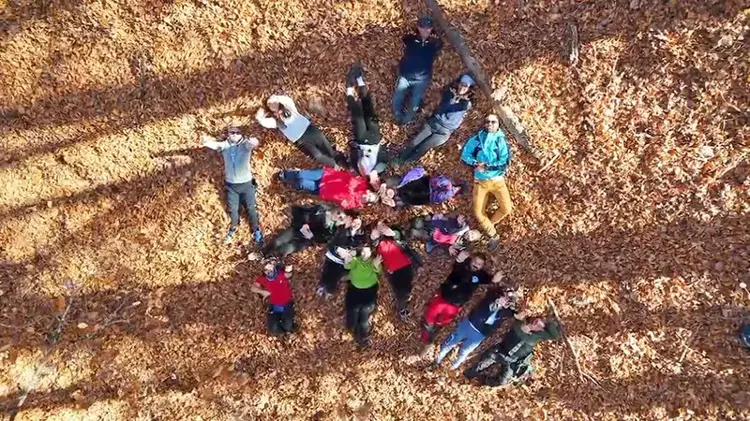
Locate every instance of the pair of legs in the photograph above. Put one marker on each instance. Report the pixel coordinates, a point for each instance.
(306, 180)
(315, 145)
(281, 320)
(239, 194)
(439, 313)
(287, 242)
(401, 284)
(467, 336)
(509, 370)
(431, 136)
(497, 188)
(366, 127)
(360, 304)
(415, 89)
(331, 275)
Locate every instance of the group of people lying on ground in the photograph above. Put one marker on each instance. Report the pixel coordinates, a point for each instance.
(360, 255)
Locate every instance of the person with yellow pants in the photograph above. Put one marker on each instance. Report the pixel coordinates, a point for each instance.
(489, 154)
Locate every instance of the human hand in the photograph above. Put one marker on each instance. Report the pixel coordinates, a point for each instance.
(253, 141)
(498, 277)
(461, 220)
(462, 256)
(481, 166)
(305, 230)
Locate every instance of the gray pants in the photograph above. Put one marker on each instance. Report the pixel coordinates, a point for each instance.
(431, 136)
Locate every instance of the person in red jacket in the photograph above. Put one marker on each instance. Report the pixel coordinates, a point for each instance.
(274, 286)
(399, 262)
(344, 188)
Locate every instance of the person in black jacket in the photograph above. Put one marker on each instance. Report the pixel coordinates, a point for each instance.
(488, 315)
(345, 241)
(467, 276)
(366, 154)
(513, 353)
(415, 70)
(311, 224)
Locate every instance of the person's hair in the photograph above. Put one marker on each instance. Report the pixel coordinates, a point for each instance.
(284, 112)
(479, 256)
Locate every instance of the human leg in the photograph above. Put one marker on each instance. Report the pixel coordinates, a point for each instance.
(408, 151)
(480, 192)
(331, 275)
(358, 117)
(500, 191)
(316, 145)
(458, 335)
(473, 339)
(397, 100)
(430, 142)
(401, 282)
(418, 89)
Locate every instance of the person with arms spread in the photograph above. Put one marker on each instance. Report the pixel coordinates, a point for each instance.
(415, 70)
(274, 285)
(236, 150)
(489, 154)
(514, 352)
(311, 224)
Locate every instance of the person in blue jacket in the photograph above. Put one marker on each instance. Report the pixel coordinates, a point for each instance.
(489, 154)
(415, 69)
(455, 102)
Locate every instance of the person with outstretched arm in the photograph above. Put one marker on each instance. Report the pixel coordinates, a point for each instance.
(454, 104)
(416, 188)
(311, 224)
(400, 263)
(347, 238)
(467, 276)
(236, 150)
(514, 352)
(496, 306)
(274, 286)
(440, 231)
(299, 130)
(488, 152)
(366, 153)
(361, 298)
(421, 48)
(344, 188)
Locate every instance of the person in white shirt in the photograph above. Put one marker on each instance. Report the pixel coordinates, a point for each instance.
(237, 150)
(298, 129)
(366, 155)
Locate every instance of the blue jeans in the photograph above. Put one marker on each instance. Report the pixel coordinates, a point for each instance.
(418, 88)
(307, 180)
(465, 332)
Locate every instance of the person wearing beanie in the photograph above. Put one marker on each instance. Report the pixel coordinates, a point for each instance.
(513, 353)
(345, 189)
(496, 306)
(455, 102)
(236, 150)
(298, 129)
(366, 154)
(488, 152)
(361, 298)
(415, 70)
(274, 286)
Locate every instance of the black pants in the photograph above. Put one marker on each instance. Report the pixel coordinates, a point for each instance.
(418, 228)
(360, 304)
(366, 127)
(331, 275)
(315, 145)
(281, 321)
(431, 136)
(287, 242)
(494, 369)
(241, 194)
(401, 283)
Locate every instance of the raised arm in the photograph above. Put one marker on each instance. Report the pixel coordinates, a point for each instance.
(264, 120)
(284, 100)
(213, 143)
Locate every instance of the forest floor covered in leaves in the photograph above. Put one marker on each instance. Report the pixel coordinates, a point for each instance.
(639, 231)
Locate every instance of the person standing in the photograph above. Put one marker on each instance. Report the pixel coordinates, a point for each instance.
(415, 70)
(362, 294)
(236, 150)
(488, 315)
(366, 154)
(514, 352)
(274, 285)
(488, 152)
(298, 129)
(467, 275)
(455, 102)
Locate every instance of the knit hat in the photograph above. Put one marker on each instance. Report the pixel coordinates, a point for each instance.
(425, 22)
(466, 79)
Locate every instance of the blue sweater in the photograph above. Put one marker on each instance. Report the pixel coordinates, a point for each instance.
(419, 55)
(451, 111)
(490, 149)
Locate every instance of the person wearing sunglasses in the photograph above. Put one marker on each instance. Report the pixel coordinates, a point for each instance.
(489, 154)
(236, 149)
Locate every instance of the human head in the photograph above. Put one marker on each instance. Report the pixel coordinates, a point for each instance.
(424, 27)
(365, 253)
(371, 197)
(473, 235)
(281, 112)
(464, 84)
(270, 268)
(492, 123)
(338, 216)
(234, 134)
(477, 261)
(536, 324)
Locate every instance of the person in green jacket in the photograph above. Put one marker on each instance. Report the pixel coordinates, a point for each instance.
(362, 293)
(513, 353)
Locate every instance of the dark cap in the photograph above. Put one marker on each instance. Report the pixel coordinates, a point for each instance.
(425, 22)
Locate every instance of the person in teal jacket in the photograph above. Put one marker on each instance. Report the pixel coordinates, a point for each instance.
(489, 154)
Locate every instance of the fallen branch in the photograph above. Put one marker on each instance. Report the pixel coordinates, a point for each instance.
(510, 121)
(567, 341)
(571, 35)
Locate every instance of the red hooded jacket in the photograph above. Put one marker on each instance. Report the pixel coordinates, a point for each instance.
(343, 188)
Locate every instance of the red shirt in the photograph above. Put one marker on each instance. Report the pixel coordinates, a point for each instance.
(394, 257)
(281, 291)
(343, 188)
